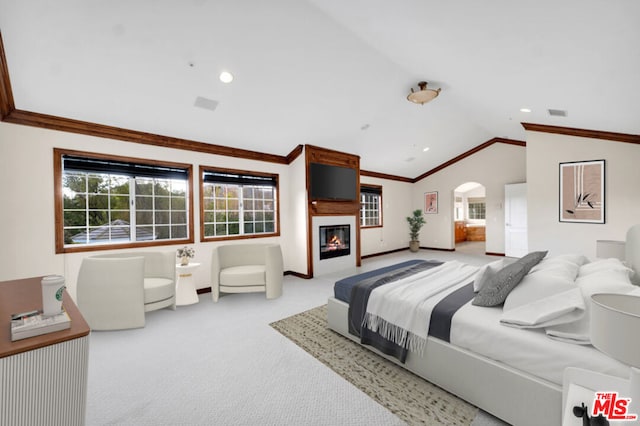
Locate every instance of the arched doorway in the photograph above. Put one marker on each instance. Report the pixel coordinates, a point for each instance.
(469, 218)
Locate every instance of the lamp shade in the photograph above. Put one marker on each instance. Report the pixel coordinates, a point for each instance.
(615, 326)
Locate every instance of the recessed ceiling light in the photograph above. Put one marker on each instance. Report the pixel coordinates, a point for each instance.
(525, 110)
(226, 77)
(425, 149)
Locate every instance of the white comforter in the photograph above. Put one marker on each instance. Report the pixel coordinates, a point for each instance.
(400, 311)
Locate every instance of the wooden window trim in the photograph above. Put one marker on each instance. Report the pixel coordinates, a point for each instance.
(58, 202)
(202, 170)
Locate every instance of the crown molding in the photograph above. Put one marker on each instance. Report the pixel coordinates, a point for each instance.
(584, 133)
(469, 153)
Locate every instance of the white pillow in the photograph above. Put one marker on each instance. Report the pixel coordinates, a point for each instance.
(560, 308)
(578, 259)
(611, 264)
(486, 272)
(605, 281)
(558, 267)
(538, 285)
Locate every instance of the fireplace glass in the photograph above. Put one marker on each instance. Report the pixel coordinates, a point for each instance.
(334, 241)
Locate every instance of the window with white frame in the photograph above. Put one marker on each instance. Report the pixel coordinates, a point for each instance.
(477, 208)
(370, 206)
(118, 201)
(238, 203)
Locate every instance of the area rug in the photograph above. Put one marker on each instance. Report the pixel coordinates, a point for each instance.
(408, 396)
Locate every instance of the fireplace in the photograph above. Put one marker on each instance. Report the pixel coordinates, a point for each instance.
(334, 241)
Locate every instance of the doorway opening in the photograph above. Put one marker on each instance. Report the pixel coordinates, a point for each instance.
(469, 218)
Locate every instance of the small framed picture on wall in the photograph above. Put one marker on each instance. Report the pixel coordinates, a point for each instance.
(431, 202)
(582, 191)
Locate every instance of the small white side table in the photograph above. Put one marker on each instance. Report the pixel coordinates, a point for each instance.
(185, 286)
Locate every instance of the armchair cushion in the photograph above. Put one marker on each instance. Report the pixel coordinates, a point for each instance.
(243, 275)
(158, 289)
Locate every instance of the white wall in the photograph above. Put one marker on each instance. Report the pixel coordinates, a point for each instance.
(544, 153)
(493, 167)
(396, 206)
(27, 213)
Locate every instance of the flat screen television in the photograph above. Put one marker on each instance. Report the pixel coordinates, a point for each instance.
(332, 182)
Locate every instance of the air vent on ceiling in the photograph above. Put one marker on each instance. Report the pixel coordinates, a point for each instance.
(557, 112)
(205, 103)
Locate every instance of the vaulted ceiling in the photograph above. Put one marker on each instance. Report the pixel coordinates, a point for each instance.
(332, 73)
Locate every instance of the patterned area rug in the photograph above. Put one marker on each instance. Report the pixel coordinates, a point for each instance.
(408, 396)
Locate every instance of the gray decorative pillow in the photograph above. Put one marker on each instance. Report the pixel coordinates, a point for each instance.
(531, 260)
(497, 288)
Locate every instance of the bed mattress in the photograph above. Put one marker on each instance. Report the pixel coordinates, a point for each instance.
(478, 329)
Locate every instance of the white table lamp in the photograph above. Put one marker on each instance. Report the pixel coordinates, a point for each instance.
(615, 330)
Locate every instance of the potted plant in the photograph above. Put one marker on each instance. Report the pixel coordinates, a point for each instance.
(415, 224)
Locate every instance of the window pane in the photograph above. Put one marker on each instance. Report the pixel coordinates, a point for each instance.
(75, 218)
(144, 203)
(144, 233)
(234, 229)
(144, 218)
(179, 231)
(162, 217)
(162, 203)
(98, 218)
(178, 203)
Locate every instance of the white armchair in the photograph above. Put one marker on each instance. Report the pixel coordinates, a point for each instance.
(115, 290)
(245, 268)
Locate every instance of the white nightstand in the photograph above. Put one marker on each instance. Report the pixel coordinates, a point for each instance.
(185, 286)
(580, 386)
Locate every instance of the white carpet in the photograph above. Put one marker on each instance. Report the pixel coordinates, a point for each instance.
(221, 364)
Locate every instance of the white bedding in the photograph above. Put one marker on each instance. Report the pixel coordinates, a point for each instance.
(478, 329)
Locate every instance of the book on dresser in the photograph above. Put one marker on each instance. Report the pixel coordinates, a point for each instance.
(33, 323)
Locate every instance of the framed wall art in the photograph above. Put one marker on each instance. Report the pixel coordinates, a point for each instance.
(431, 202)
(582, 197)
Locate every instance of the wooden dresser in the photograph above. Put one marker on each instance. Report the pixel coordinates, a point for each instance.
(476, 233)
(460, 231)
(43, 379)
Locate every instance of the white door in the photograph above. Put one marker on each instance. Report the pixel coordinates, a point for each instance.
(515, 220)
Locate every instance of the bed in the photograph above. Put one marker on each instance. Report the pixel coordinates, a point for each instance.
(513, 372)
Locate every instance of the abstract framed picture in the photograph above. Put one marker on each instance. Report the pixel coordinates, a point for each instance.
(431, 202)
(582, 197)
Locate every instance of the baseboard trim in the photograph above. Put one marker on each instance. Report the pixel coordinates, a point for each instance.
(382, 253)
(489, 253)
(437, 249)
(298, 274)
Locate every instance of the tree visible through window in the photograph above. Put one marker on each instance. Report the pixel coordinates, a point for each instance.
(236, 203)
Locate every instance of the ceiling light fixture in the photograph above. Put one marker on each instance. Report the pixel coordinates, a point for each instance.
(423, 95)
(226, 77)
(425, 149)
(525, 110)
